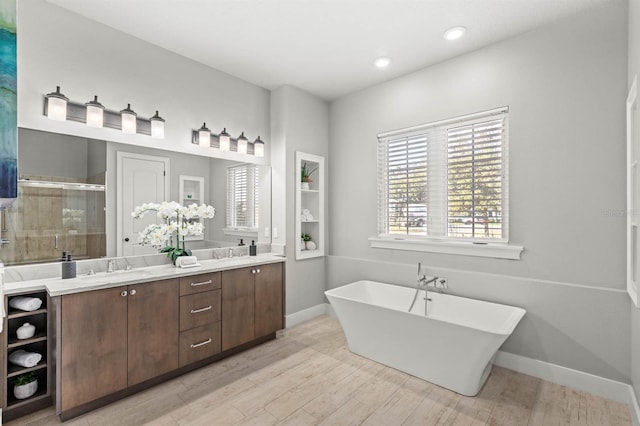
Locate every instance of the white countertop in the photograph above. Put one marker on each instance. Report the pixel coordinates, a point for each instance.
(59, 287)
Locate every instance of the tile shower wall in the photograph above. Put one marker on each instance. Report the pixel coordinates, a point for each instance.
(43, 215)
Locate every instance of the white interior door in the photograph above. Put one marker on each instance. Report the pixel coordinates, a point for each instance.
(141, 179)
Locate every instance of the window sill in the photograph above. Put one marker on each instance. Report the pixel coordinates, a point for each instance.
(494, 250)
(242, 232)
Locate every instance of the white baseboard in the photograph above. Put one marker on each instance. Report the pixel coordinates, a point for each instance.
(575, 379)
(306, 314)
(634, 408)
(600, 386)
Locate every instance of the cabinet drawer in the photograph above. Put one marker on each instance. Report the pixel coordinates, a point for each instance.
(199, 309)
(199, 343)
(199, 283)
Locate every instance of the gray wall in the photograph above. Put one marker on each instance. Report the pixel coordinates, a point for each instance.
(51, 154)
(300, 122)
(565, 86)
(634, 69)
(86, 58)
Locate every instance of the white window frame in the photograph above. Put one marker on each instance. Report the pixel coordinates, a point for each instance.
(253, 187)
(438, 241)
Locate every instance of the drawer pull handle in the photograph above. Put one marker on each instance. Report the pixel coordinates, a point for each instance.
(206, 342)
(206, 308)
(202, 283)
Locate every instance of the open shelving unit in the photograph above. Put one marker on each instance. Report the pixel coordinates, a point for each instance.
(12, 407)
(192, 191)
(312, 199)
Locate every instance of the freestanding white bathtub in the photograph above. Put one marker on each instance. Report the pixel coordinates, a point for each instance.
(453, 346)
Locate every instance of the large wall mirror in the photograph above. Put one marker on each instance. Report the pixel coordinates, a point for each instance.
(69, 198)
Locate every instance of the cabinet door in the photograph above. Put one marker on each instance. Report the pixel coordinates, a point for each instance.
(237, 307)
(269, 294)
(153, 329)
(93, 352)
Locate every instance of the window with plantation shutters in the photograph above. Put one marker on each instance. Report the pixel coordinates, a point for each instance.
(242, 197)
(445, 180)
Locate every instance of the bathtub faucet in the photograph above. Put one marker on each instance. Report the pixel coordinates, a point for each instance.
(423, 280)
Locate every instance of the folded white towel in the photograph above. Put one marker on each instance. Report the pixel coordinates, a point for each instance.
(24, 358)
(25, 303)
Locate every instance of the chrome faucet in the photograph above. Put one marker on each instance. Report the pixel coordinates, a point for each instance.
(111, 266)
(422, 280)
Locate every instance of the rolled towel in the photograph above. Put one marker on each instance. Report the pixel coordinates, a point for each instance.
(25, 303)
(24, 358)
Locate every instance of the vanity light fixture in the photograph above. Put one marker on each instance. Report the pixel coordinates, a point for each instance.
(56, 105)
(225, 140)
(157, 126)
(129, 118)
(258, 147)
(242, 144)
(454, 33)
(95, 113)
(204, 135)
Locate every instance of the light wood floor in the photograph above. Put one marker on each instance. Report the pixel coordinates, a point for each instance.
(308, 376)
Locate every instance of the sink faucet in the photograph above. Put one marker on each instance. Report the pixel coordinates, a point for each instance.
(111, 266)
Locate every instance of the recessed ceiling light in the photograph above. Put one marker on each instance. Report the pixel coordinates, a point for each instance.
(454, 33)
(382, 62)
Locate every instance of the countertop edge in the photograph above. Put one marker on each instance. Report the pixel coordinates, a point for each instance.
(59, 287)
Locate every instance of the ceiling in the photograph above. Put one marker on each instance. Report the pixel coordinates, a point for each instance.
(326, 47)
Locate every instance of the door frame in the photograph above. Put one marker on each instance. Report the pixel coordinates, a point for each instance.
(120, 157)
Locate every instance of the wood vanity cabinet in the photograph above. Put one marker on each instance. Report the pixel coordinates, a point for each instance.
(200, 314)
(269, 299)
(114, 338)
(252, 303)
(117, 341)
(152, 330)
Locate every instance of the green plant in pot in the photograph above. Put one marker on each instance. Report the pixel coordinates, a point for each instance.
(25, 385)
(305, 174)
(308, 244)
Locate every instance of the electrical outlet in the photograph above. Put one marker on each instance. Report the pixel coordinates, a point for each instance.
(266, 232)
(275, 233)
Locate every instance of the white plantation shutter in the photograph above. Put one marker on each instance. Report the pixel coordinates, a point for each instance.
(405, 174)
(242, 197)
(445, 180)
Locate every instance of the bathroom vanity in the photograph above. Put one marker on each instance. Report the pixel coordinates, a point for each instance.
(113, 334)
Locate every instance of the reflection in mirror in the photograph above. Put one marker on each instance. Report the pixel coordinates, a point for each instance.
(67, 198)
(61, 199)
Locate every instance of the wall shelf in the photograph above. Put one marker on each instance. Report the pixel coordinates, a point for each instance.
(191, 191)
(13, 407)
(312, 199)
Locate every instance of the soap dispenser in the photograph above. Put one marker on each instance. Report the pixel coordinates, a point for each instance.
(241, 243)
(252, 248)
(68, 268)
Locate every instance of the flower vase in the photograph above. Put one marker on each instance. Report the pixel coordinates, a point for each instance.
(302, 244)
(304, 185)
